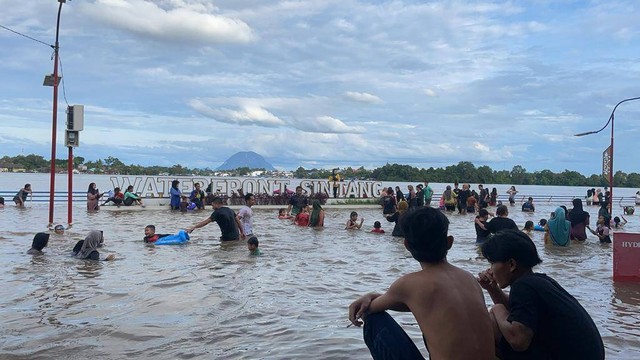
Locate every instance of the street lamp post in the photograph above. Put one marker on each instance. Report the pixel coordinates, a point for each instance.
(54, 124)
(611, 120)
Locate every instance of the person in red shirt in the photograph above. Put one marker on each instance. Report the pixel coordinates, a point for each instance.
(377, 228)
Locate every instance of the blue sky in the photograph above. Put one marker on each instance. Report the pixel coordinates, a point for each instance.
(328, 83)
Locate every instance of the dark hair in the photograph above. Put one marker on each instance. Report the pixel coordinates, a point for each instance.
(389, 191)
(248, 196)
(502, 210)
(298, 187)
(483, 213)
(530, 198)
(129, 187)
(542, 222)
(282, 210)
(217, 200)
(425, 232)
(1, 200)
(528, 224)
(40, 241)
(511, 244)
(116, 189)
(27, 186)
(616, 219)
(353, 213)
(174, 184)
(253, 241)
(152, 227)
(377, 225)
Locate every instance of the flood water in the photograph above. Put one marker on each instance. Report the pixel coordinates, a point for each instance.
(207, 300)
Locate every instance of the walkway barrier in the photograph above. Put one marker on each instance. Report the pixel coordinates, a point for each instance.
(626, 257)
(43, 196)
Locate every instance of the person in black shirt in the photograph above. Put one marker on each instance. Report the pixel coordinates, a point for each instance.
(230, 226)
(297, 202)
(538, 319)
(463, 195)
(501, 221)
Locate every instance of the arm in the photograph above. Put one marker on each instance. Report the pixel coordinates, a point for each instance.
(359, 226)
(480, 224)
(240, 227)
(321, 218)
(199, 225)
(517, 335)
(373, 303)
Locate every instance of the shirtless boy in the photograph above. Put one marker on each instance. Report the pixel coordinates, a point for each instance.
(446, 301)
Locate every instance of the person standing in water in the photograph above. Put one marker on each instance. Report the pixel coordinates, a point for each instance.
(175, 195)
(229, 224)
(93, 197)
(245, 215)
(21, 197)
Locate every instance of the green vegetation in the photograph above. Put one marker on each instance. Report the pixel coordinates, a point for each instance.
(464, 171)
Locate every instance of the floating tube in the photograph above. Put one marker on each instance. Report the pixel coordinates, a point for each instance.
(180, 238)
(538, 228)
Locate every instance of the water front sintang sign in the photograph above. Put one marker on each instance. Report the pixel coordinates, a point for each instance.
(158, 186)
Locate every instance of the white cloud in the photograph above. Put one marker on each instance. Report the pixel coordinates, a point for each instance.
(180, 22)
(328, 124)
(363, 97)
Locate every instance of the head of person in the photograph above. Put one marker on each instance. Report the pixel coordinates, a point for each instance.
(92, 187)
(253, 243)
(513, 187)
(217, 202)
(40, 241)
(1, 200)
(197, 186)
(480, 187)
(116, 190)
(543, 222)
(530, 199)
(448, 187)
(410, 187)
(377, 225)
(616, 220)
(494, 190)
(130, 188)
(390, 191)
(403, 206)
(455, 184)
(601, 220)
(426, 183)
(149, 230)
(397, 188)
(282, 212)
(511, 254)
(58, 229)
(483, 214)
(528, 225)
(249, 199)
(299, 190)
(426, 234)
(174, 184)
(91, 242)
(316, 205)
(353, 216)
(502, 210)
(419, 186)
(27, 186)
(465, 186)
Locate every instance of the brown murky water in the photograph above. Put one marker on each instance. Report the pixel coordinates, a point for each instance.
(207, 300)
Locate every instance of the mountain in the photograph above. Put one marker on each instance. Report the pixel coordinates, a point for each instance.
(246, 159)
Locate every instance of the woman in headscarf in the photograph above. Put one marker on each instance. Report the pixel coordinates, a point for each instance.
(558, 229)
(579, 221)
(450, 199)
(40, 241)
(88, 248)
(93, 197)
(175, 195)
(403, 206)
(317, 215)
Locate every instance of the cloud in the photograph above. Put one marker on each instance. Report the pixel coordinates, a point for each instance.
(328, 124)
(362, 97)
(179, 22)
(247, 114)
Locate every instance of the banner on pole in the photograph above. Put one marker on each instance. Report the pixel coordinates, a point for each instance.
(606, 163)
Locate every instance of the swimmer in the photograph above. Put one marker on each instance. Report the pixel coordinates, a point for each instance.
(528, 228)
(617, 222)
(377, 228)
(88, 248)
(40, 241)
(253, 244)
(303, 217)
(1, 202)
(58, 229)
(21, 197)
(352, 223)
(282, 214)
(150, 235)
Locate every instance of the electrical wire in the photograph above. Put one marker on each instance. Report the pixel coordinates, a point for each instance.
(27, 36)
(64, 91)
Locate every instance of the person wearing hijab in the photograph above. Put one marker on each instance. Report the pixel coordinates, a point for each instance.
(450, 199)
(175, 195)
(40, 241)
(403, 206)
(579, 221)
(317, 215)
(557, 229)
(88, 248)
(93, 197)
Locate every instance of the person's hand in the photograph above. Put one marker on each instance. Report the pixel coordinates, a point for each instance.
(486, 280)
(111, 257)
(360, 308)
(189, 229)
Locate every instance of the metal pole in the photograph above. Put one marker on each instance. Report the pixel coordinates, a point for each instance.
(54, 125)
(70, 188)
(611, 170)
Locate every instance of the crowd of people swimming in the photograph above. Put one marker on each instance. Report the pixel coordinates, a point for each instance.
(454, 320)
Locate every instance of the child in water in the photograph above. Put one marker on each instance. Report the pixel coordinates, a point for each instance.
(40, 241)
(150, 235)
(352, 223)
(88, 248)
(282, 214)
(602, 231)
(528, 228)
(252, 245)
(377, 228)
(58, 229)
(303, 217)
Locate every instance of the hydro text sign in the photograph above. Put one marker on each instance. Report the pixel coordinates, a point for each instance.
(158, 186)
(626, 257)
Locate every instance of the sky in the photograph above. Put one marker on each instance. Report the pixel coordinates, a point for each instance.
(327, 83)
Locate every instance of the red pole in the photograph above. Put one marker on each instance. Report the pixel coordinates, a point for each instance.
(70, 188)
(611, 171)
(54, 125)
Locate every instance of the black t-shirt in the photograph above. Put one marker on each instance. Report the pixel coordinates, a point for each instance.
(562, 327)
(501, 223)
(226, 220)
(298, 202)
(389, 204)
(480, 232)
(420, 197)
(463, 195)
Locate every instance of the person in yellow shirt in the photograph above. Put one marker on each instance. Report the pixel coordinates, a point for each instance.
(335, 180)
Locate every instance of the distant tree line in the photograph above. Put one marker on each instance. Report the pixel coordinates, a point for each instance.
(464, 171)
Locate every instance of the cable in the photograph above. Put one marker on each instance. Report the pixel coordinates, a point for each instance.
(27, 36)
(64, 91)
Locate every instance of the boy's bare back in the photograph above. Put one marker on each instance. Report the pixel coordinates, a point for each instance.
(449, 306)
